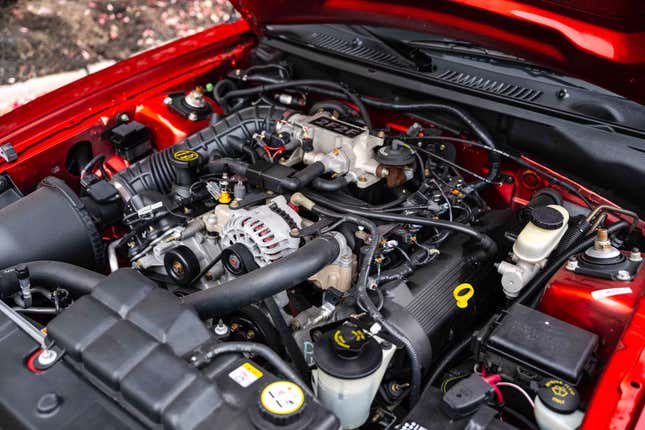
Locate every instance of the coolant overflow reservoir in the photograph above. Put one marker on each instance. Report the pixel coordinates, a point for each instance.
(351, 365)
(542, 234)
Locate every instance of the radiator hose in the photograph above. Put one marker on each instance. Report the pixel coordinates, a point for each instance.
(52, 274)
(259, 284)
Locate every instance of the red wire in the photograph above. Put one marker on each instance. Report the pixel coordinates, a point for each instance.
(492, 380)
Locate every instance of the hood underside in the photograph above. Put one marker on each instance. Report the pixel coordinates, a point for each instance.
(600, 42)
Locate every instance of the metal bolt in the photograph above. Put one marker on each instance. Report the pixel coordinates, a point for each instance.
(221, 329)
(623, 275)
(192, 116)
(572, 264)
(124, 117)
(234, 204)
(167, 101)
(178, 268)
(294, 232)
(635, 255)
(385, 172)
(362, 179)
(47, 357)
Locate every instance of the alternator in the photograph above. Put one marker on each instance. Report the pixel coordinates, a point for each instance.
(264, 230)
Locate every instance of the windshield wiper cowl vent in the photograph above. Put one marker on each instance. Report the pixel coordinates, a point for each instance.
(517, 92)
(354, 48)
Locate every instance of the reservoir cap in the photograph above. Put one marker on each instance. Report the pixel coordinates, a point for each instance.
(559, 396)
(282, 402)
(347, 353)
(547, 218)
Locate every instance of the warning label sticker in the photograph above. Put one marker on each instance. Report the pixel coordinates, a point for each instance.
(246, 374)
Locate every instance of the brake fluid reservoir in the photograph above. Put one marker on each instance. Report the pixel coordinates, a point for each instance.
(542, 234)
(532, 247)
(350, 369)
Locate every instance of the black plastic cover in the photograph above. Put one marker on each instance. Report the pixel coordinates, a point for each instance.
(129, 341)
(131, 140)
(424, 306)
(429, 414)
(539, 342)
(128, 338)
(466, 396)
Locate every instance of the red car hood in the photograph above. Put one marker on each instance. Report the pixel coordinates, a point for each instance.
(600, 41)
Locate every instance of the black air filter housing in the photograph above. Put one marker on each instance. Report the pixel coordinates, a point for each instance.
(51, 223)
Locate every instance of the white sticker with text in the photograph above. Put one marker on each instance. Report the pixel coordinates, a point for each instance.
(609, 292)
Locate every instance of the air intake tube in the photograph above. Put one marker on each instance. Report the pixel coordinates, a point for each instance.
(51, 223)
(266, 281)
(225, 138)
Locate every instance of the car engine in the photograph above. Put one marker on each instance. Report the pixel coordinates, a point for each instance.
(298, 261)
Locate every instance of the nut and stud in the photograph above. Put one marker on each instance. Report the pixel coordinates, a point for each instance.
(221, 329)
(635, 255)
(47, 357)
(572, 264)
(623, 275)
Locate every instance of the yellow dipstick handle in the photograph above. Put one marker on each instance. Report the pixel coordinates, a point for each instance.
(462, 293)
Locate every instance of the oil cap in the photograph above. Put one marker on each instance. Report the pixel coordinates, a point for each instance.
(347, 353)
(559, 396)
(185, 162)
(282, 403)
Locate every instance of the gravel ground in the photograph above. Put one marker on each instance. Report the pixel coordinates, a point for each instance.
(42, 37)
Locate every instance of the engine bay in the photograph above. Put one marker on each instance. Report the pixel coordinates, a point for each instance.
(265, 249)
